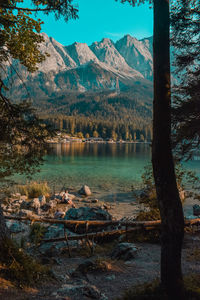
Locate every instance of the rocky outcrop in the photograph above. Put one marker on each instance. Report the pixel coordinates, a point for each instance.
(78, 67)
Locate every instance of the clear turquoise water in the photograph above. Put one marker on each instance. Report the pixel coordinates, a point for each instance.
(104, 167)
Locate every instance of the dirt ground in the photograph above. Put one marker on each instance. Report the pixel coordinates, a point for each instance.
(120, 276)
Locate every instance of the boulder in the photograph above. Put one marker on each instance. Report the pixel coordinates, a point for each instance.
(59, 214)
(87, 213)
(42, 200)
(54, 231)
(85, 190)
(16, 226)
(25, 204)
(16, 195)
(124, 251)
(94, 200)
(26, 213)
(196, 210)
(71, 196)
(35, 203)
(91, 265)
(49, 205)
(24, 198)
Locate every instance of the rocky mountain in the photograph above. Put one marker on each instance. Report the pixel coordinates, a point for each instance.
(137, 54)
(104, 65)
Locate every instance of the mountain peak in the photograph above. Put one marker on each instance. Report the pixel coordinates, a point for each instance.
(80, 53)
(79, 67)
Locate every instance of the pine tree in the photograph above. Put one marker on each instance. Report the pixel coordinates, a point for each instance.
(185, 22)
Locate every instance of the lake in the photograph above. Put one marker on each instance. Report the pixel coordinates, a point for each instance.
(103, 167)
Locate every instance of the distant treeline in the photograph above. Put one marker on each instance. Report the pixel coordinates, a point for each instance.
(90, 127)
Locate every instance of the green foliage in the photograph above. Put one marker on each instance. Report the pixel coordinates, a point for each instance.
(22, 134)
(185, 24)
(19, 30)
(22, 138)
(19, 266)
(34, 189)
(37, 232)
(148, 197)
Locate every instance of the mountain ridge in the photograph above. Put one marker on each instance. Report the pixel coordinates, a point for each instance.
(78, 67)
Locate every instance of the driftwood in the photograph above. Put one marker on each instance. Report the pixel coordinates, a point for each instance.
(95, 236)
(69, 223)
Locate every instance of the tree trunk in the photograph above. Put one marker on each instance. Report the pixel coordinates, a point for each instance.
(172, 220)
(4, 233)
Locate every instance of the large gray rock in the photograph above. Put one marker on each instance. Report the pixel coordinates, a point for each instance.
(16, 226)
(124, 251)
(87, 213)
(85, 190)
(54, 231)
(196, 210)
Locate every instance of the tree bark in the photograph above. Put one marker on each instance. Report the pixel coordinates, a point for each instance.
(4, 233)
(172, 219)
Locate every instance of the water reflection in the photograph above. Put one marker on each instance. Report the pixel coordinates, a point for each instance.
(99, 150)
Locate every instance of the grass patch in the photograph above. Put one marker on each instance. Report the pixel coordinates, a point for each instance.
(34, 189)
(20, 267)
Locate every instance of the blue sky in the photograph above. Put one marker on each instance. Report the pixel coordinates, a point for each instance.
(101, 18)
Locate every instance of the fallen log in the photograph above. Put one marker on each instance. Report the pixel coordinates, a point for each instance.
(85, 222)
(93, 235)
(97, 223)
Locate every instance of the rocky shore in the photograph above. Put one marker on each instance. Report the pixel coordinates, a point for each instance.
(102, 275)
